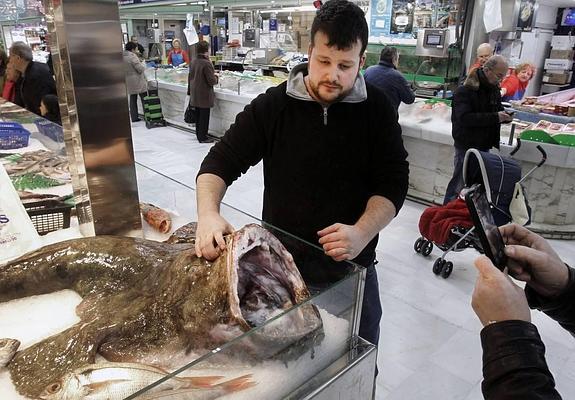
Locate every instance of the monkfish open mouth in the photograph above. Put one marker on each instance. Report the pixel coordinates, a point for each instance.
(267, 283)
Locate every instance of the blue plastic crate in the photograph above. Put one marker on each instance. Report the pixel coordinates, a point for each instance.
(13, 136)
(50, 129)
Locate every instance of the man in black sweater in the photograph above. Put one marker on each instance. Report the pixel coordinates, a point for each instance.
(514, 364)
(335, 169)
(476, 117)
(36, 79)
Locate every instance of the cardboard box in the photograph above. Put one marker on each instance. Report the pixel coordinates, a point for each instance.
(556, 78)
(562, 54)
(557, 63)
(563, 42)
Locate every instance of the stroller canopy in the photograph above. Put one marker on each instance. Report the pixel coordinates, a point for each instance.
(498, 175)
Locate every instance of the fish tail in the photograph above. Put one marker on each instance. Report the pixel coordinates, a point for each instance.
(237, 384)
(201, 381)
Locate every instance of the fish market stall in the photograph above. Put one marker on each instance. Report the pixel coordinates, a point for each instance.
(234, 91)
(121, 317)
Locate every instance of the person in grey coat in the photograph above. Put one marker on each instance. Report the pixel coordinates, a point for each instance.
(201, 83)
(136, 82)
(386, 77)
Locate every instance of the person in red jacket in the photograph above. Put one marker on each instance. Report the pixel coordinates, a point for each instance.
(514, 85)
(177, 56)
(12, 76)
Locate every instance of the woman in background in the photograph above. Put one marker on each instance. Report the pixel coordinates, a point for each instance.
(201, 90)
(3, 65)
(177, 56)
(9, 90)
(135, 80)
(514, 85)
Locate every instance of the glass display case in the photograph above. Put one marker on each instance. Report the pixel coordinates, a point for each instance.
(307, 347)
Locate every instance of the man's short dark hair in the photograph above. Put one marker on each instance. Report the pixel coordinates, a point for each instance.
(130, 46)
(202, 47)
(388, 54)
(343, 23)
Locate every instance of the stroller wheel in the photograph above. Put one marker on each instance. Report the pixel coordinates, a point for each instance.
(446, 270)
(426, 248)
(438, 266)
(418, 244)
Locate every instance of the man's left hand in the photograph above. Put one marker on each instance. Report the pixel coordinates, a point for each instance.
(343, 242)
(496, 298)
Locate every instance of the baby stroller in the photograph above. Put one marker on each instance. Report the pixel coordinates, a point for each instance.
(450, 226)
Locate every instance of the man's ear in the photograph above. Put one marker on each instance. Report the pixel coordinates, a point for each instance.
(361, 61)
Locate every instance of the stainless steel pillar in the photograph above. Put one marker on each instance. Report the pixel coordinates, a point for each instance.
(86, 43)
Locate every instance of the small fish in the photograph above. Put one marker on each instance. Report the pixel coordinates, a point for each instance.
(214, 392)
(8, 348)
(157, 218)
(110, 381)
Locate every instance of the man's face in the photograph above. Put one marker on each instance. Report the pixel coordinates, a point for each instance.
(483, 55)
(134, 39)
(496, 75)
(332, 72)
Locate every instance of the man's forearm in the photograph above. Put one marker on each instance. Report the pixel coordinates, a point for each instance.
(210, 190)
(377, 215)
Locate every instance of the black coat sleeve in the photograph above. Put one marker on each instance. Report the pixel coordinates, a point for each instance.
(388, 159)
(514, 365)
(561, 308)
(244, 143)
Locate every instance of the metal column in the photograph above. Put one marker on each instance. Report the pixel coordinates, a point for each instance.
(86, 43)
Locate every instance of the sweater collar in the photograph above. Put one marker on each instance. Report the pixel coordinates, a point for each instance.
(296, 86)
(387, 64)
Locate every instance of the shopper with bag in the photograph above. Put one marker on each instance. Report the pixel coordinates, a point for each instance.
(201, 83)
(136, 82)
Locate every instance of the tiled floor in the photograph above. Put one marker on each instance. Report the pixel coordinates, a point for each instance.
(429, 346)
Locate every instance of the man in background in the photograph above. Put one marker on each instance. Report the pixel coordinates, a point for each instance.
(484, 51)
(134, 39)
(36, 80)
(386, 77)
(476, 117)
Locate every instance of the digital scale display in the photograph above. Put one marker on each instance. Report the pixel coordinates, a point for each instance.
(433, 40)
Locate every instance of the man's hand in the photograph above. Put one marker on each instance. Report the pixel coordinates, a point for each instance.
(496, 298)
(504, 117)
(343, 242)
(531, 259)
(210, 236)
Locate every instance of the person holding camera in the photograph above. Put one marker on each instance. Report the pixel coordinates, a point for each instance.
(476, 117)
(514, 365)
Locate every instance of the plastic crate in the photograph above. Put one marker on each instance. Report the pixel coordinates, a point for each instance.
(50, 129)
(48, 215)
(13, 136)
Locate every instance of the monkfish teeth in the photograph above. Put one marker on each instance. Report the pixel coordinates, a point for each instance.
(8, 348)
(111, 381)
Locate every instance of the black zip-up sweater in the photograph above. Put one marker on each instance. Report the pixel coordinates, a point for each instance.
(321, 165)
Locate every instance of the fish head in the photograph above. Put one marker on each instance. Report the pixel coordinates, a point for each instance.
(265, 283)
(68, 387)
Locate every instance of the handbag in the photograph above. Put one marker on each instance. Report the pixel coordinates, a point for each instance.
(190, 115)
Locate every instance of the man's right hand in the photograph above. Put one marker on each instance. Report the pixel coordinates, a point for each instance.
(504, 117)
(532, 260)
(210, 240)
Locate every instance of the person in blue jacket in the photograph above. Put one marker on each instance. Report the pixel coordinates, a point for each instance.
(386, 77)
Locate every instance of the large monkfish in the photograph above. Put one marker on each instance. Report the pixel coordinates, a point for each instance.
(144, 301)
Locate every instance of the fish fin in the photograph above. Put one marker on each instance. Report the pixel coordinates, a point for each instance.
(201, 381)
(237, 384)
(97, 386)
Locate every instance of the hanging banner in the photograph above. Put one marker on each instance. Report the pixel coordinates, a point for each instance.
(492, 15)
(190, 30)
(380, 17)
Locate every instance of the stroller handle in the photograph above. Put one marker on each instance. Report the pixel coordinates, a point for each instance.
(543, 155)
(517, 147)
